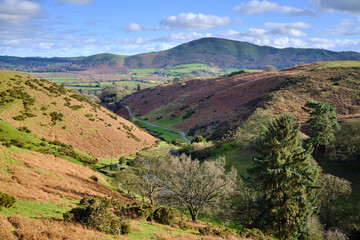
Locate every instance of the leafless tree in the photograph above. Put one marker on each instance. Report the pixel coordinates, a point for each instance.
(196, 185)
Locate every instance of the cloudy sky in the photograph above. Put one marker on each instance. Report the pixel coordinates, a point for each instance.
(50, 28)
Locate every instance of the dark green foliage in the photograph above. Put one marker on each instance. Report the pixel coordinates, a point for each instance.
(76, 107)
(176, 142)
(286, 180)
(214, 231)
(55, 116)
(198, 139)
(6, 200)
(198, 150)
(94, 178)
(125, 228)
(236, 73)
(69, 151)
(139, 210)
(252, 233)
(100, 214)
(322, 123)
(346, 146)
(334, 192)
(189, 113)
(122, 160)
(166, 215)
(131, 135)
(24, 129)
(184, 226)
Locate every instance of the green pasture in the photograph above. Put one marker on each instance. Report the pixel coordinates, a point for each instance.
(167, 135)
(33, 209)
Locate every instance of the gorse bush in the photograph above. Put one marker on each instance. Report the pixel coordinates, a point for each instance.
(253, 233)
(166, 215)
(6, 200)
(99, 213)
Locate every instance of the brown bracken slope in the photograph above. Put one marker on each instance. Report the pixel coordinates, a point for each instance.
(212, 106)
(86, 126)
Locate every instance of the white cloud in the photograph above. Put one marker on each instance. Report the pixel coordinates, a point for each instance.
(289, 25)
(16, 12)
(134, 27)
(349, 6)
(176, 37)
(345, 28)
(285, 42)
(191, 21)
(77, 2)
(257, 7)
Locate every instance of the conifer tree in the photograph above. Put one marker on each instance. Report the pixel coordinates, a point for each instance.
(323, 123)
(286, 180)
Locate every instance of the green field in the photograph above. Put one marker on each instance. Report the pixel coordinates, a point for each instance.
(96, 86)
(60, 80)
(174, 71)
(167, 135)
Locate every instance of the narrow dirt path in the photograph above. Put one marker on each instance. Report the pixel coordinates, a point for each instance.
(154, 125)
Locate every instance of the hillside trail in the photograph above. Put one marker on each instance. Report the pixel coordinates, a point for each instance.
(183, 135)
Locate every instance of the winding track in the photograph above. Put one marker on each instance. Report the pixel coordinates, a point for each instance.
(153, 125)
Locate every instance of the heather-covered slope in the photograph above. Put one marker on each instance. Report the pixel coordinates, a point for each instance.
(212, 106)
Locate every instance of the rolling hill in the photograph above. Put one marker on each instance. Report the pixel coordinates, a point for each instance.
(51, 142)
(49, 133)
(215, 52)
(211, 106)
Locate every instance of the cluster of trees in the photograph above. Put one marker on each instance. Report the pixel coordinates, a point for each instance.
(178, 180)
(284, 195)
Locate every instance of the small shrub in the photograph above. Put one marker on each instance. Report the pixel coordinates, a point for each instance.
(94, 178)
(166, 215)
(253, 233)
(334, 235)
(6, 200)
(122, 160)
(184, 226)
(55, 116)
(125, 228)
(24, 129)
(139, 210)
(206, 231)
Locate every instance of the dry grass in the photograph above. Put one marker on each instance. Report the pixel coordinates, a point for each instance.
(45, 178)
(100, 138)
(44, 229)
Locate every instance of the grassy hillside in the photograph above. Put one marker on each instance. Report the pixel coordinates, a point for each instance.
(53, 112)
(50, 140)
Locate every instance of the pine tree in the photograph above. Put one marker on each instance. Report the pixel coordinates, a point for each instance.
(323, 123)
(286, 180)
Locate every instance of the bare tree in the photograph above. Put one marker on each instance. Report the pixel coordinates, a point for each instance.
(269, 68)
(146, 176)
(195, 185)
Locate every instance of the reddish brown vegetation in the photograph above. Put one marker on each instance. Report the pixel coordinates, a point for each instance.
(214, 100)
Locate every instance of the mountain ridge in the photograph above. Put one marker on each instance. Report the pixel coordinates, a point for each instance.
(219, 52)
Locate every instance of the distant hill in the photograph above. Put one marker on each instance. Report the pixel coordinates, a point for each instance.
(229, 53)
(216, 52)
(211, 106)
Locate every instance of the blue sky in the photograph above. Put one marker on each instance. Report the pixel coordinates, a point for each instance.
(50, 28)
